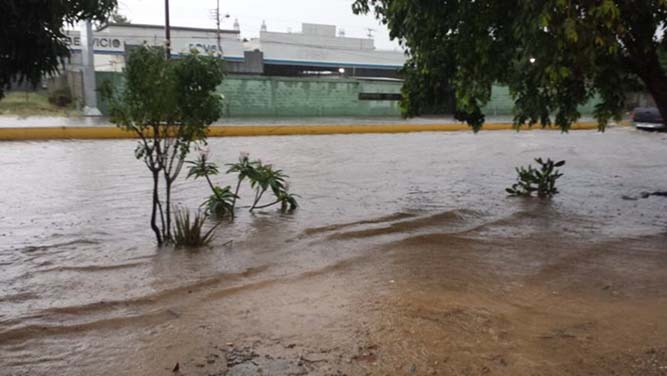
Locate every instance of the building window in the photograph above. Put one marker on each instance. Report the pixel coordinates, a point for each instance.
(379, 96)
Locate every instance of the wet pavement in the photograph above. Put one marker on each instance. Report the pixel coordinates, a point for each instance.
(406, 257)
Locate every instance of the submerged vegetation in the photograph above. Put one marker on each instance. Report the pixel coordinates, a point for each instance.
(221, 201)
(264, 177)
(190, 233)
(261, 177)
(541, 181)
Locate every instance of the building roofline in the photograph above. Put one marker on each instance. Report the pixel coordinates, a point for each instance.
(161, 27)
(330, 64)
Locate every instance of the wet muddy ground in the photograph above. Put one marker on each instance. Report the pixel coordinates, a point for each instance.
(406, 257)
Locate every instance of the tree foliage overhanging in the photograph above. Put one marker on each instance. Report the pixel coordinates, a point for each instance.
(554, 55)
(32, 39)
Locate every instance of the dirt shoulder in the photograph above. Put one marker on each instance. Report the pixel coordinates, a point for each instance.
(452, 305)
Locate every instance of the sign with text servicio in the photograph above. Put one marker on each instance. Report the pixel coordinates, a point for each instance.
(101, 43)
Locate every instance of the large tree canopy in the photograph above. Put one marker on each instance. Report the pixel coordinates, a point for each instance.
(554, 55)
(32, 40)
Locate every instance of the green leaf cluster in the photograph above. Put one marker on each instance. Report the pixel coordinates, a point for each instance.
(261, 177)
(221, 202)
(265, 177)
(167, 98)
(33, 43)
(541, 181)
(554, 55)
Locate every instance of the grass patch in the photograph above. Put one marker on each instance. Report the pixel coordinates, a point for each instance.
(32, 104)
(189, 233)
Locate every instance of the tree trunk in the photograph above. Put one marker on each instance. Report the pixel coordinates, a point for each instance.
(156, 200)
(642, 52)
(167, 236)
(236, 194)
(656, 82)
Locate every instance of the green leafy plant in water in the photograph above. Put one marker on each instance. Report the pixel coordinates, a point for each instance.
(262, 178)
(221, 202)
(265, 177)
(245, 168)
(541, 181)
(287, 201)
(190, 233)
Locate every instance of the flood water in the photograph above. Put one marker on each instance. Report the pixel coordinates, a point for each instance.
(83, 285)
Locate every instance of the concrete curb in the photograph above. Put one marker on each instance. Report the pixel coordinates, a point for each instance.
(111, 132)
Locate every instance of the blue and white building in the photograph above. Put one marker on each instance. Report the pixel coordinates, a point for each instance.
(315, 50)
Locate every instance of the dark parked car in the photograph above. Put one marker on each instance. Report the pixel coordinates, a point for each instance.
(648, 118)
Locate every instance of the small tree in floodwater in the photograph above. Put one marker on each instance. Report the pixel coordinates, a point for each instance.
(169, 105)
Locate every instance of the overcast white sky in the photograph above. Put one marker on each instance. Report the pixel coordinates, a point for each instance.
(280, 15)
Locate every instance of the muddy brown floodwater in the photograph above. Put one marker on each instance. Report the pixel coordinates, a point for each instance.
(406, 257)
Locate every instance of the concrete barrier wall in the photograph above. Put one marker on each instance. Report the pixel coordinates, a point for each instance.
(502, 104)
(265, 96)
(271, 96)
(304, 97)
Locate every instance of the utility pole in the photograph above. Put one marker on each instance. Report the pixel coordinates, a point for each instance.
(88, 70)
(217, 23)
(215, 14)
(167, 32)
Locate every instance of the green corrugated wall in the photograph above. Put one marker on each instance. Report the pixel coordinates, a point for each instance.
(303, 97)
(267, 96)
(502, 104)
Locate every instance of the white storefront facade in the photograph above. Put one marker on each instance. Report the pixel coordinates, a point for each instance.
(110, 42)
(317, 48)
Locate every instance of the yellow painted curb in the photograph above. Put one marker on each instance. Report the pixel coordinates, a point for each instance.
(111, 132)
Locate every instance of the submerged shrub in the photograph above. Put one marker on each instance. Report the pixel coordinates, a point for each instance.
(265, 177)
(189, 233)
(244, 168)
(262, 178)
(221, 202)
(287, 201)
(542, 180)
